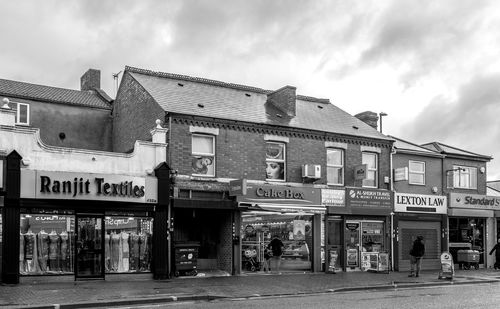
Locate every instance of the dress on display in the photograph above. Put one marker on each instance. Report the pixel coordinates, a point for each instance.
(64, 251)
(134, 252)
(144, 252)
(54, 252)
(125, 251)
(21, 254)
(115, 251)
(107, 253)
(43, 250)
(30, 253)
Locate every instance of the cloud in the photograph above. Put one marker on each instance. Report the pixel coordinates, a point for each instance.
(469, 122)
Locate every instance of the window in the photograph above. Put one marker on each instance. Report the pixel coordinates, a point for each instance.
(22, 112)
(464, 177)
(335, 166)
(275, 161)
(371, 161)
(203, 155)
(416, 173)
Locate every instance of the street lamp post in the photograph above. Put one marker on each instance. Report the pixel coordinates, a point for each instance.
(381, 114)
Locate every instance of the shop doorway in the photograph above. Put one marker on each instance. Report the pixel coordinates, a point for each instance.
(334, 248)
(89, 246)
(364, 241)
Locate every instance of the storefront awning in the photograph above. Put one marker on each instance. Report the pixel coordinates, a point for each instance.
(283, 208)
(458, 212)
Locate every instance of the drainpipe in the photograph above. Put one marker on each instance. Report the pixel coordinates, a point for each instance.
(393, 151)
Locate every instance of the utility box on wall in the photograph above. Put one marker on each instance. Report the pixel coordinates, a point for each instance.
(312, 171)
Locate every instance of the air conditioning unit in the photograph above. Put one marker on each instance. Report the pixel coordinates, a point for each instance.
(311, 171)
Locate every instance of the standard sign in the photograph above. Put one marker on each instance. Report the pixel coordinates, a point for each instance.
(84, 186)
(474, 201)
(405, 202)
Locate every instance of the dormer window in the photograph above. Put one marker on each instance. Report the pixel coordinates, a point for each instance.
(22, 112)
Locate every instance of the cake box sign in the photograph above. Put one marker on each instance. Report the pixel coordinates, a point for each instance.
(85, 186)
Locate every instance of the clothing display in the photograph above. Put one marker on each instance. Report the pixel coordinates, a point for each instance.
(43, 249)
(128, 252)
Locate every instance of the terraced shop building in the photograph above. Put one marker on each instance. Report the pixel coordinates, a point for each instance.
(293, 158)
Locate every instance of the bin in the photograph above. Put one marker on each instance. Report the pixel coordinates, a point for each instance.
(468, 258)
(186, 259)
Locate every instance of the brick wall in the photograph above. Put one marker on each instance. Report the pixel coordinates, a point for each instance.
(225, 250)
(135, 113)
(241, 154)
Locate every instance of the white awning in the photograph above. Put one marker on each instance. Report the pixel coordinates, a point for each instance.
(284, 208)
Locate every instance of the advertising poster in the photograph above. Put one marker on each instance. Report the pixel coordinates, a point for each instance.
(352, 257)
(383, 261)
(299, 229)
(332, 262)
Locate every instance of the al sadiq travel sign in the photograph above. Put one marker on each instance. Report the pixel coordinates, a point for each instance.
(405, 202)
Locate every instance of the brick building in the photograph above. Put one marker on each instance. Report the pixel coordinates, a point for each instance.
(315, 176)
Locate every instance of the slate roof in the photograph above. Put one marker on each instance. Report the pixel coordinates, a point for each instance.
(449, 150)
(15, 89)
(209, 98)
(408, 147)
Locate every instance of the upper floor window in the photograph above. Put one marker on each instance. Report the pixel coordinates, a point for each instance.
(275, 161)
(335, 166)
(22, 112)
(464, 177)
(203, 155)
(371, 161)
(416, 173)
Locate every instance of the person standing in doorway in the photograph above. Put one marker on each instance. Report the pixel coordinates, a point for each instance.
(416, 254)
(496, 248)
(276, 246)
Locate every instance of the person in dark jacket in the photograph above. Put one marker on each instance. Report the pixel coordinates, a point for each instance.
(416, 254)
(496, 248)
(276, 246)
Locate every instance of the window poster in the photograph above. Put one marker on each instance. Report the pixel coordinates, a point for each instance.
(275, 161)
(299, 229)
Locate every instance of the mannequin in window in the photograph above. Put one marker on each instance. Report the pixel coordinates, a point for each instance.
(115, 248)
(43, 250)
(64, 251)
(54, 251)
(143, 252)
(107, 252)
(30, 253)
(134, 251)
(21, 253)
(125, 251)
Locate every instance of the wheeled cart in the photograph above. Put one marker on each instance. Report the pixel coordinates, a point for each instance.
(186, 259)
(468, 259)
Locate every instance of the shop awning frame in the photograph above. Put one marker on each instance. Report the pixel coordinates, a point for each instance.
(283, 208)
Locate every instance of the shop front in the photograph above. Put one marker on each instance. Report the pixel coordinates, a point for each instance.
(84, 225)
(357, 229)
(419, 215)
(471, 224)
(291, 214)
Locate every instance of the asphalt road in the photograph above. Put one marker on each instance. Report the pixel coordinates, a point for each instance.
(459, 296)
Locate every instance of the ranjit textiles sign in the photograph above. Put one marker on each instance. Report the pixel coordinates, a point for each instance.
(86, 186)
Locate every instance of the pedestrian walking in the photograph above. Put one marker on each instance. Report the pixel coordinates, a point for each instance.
(496, 248)
(276, 246)
(267, 260)
(416, 254)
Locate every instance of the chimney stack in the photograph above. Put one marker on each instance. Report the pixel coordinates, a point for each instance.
(90, 80)
(284, 99)
(370, 118)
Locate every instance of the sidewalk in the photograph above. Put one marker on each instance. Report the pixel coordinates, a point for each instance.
(129, 290)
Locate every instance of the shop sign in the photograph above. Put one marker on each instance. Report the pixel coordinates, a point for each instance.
(281, 195)
(401, 174)
(368, 198)
(238, 187)
(405, 202)
(352, 226)
(474, 201)
(85, 186)
(333, 197)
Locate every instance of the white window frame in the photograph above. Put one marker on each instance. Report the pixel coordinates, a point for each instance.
(212, 155)
(371, 169)
(277, 160)
(416, 172)
(15, 106)
(459, 172)
(341, 166)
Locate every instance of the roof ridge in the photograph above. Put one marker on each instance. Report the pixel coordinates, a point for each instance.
(462, 150)
(218, 83)
(413, 144)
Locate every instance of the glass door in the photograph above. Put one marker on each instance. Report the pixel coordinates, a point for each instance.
(89, 247)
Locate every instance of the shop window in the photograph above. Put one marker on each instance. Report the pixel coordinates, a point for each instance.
(128, 244)
(203, 155)
(371, 161)
(416, 173)
(46, 244)
(258, 229)
(464, 177)
(335, 166)
(275, 161)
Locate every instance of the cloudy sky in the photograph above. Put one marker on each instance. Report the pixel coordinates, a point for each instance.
(432, 66)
